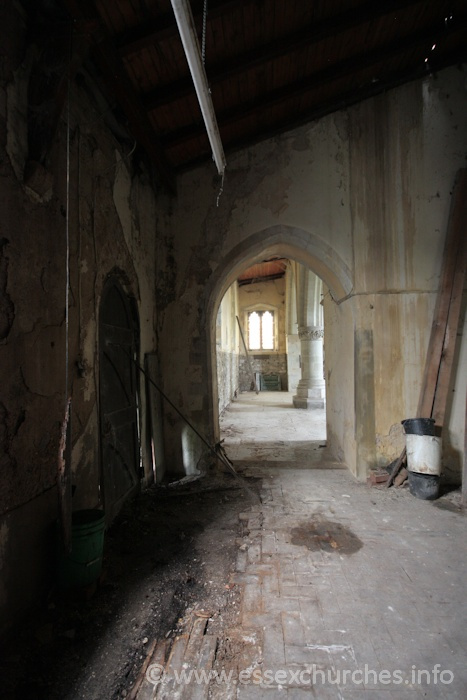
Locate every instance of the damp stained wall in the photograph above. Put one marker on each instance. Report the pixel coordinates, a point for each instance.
(111, 207)
(227, 343)
(361, 197)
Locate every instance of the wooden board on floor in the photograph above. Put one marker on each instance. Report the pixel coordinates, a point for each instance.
(452, 276)
(457, 288)
(143, 689)
(441, 348)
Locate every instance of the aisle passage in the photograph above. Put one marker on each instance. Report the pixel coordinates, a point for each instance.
(266, 427)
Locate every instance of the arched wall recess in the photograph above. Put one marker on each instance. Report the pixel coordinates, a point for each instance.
(118, 403)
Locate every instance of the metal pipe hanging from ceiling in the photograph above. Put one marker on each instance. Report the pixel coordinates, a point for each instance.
(186, 28)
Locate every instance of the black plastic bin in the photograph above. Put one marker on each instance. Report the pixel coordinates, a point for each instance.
(424, 486)
(419, 426)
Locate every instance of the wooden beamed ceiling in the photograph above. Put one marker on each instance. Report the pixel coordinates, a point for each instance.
(277, 48)
(271, 64)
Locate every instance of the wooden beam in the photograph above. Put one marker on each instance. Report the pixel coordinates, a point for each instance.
(347, 99)
(343, 69)
(165, 27)
(343, 101)
(282, 46)
(449, 283)
(111, 66)
(397, 467)
(441, 347)
(458, 225)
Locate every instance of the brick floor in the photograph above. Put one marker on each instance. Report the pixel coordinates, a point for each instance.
(317, 621)
(387, 613)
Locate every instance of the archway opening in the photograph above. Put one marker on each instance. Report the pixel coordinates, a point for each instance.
(311, 251)
(270, 364)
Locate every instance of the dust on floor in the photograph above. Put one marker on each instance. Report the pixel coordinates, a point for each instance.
(170, 554)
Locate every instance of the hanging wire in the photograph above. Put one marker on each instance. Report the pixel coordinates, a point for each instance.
(203, 38)
(221, 189)
(67, 238)
(64, 447)
(114, 166)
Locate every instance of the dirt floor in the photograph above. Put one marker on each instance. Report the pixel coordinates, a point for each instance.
(170, 553)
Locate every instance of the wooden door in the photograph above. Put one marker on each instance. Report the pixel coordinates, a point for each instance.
(119, 435)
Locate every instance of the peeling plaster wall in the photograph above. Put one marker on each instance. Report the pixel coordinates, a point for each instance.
(453, 451)
(405, 151)
(340, 381)
(112, 220)
(227, 348)
(361, 197)
(227, 374)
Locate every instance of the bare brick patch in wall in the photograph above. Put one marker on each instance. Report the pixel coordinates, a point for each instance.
(262, 364)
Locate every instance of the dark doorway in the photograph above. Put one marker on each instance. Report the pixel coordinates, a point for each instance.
(120, 455)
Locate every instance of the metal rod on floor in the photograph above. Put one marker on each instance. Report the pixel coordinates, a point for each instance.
(247, 356)
(217, 451)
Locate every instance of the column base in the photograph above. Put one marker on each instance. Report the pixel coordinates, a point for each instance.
(307, 403)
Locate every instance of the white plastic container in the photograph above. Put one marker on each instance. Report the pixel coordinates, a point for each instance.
(423, 454)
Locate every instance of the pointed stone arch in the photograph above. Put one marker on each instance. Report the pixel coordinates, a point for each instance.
(285, 241)
(288, 241)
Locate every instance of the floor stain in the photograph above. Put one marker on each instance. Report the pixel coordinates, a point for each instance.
(327, 536)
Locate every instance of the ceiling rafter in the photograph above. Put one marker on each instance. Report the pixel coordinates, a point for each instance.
(89, 25)
(267, 89)
(344, 100)
(312, 34)
(164, 27)
(349, 66)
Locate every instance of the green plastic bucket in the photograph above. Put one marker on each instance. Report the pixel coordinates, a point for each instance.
(83, 565)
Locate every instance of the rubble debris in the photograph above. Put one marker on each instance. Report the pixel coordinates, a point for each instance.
(154, 581)
(378, 476)
(401, 477)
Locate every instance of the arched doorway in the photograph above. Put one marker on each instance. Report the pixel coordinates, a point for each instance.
(119, 434)
(317, 255)
(270, 365)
